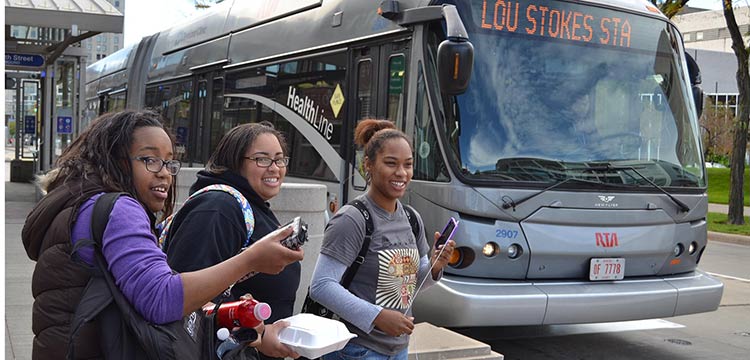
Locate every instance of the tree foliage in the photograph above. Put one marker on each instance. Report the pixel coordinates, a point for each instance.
(717, 122)
(670, 8)
(739, 142)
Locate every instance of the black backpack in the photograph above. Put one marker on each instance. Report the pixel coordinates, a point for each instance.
(313, 307)
(124, 334)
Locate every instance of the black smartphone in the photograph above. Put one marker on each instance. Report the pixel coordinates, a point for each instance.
(299, 234)
(447, 232)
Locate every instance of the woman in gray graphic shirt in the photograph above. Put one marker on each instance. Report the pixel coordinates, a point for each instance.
(375, 304)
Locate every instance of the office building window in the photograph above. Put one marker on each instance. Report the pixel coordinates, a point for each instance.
(687, 36)
(699, 36)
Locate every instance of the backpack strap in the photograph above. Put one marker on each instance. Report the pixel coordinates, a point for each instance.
(96, 296)
(346, 280)
(247, 213)
(412, 216)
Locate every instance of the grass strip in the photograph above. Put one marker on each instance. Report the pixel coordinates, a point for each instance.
(718, 222)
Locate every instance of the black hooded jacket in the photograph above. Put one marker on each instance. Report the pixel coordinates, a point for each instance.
(210, 228)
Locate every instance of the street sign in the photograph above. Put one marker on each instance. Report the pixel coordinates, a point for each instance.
(29, 60)
(29, 124)
(64, 125)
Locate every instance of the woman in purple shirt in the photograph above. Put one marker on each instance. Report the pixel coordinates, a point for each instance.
(127, 152)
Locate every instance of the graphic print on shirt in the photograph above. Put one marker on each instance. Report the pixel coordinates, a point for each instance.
(397, 277)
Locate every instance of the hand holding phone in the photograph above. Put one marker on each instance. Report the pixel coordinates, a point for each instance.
(447, 232)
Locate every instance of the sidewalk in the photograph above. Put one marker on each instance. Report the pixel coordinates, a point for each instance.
(723, 209)
(19, 199)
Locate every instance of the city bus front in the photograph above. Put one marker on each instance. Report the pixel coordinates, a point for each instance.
(573, 163)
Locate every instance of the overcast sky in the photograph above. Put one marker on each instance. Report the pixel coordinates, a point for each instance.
(145, 17)
(710, 4)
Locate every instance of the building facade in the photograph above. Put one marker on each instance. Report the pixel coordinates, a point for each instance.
(100, 46)
(707, 29)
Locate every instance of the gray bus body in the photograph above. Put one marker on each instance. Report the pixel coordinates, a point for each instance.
(573, 159)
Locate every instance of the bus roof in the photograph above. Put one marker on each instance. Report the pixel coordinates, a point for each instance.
(116, 61)
(254, 26)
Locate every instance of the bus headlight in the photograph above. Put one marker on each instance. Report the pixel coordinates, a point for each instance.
(693, 247)
(490, 249)
(678, 249)
(514, 251)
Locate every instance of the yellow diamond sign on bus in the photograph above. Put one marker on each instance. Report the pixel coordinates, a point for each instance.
(337, 100)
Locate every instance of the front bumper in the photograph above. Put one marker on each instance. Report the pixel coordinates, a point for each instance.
(457, 301)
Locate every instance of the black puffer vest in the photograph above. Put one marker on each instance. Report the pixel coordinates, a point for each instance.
(58, 282)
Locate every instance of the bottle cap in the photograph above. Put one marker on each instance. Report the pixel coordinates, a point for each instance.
(222, 334)
(262, 311)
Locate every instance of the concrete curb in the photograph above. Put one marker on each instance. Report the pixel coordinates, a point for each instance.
(729, 238)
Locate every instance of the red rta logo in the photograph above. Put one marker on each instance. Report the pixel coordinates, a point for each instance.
(606, 239)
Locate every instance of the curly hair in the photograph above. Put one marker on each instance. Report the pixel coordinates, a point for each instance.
(230, 152)
(372, 133)
(102, 153)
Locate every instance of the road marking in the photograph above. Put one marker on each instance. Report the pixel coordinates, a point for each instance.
(729, 277)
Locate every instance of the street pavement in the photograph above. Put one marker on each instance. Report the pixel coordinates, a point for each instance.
(723, 209)
(19, 200)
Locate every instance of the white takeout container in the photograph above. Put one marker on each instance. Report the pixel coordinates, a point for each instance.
(313, 336)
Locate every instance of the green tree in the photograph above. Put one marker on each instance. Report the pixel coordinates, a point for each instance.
(670, 8)
(739, 141)
(717, 122)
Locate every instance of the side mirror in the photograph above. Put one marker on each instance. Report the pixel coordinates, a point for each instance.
(698, 98)
(455, 55)
(694, 72)
(455, 61)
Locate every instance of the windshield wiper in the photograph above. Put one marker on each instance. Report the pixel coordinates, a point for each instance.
(510, 203)
(682, 205)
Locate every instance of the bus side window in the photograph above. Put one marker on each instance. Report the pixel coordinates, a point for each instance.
(365, 106)
(396, 72)
(307, 87)
(428, 164)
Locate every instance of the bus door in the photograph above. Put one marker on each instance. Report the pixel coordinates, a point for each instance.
(206, 110)
(378, 88)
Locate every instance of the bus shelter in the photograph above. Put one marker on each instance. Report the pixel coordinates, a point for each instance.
(45, 74)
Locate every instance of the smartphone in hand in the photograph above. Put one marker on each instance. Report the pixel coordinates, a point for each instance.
(447, 232)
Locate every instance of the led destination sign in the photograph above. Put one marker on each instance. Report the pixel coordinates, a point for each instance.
(558, 20)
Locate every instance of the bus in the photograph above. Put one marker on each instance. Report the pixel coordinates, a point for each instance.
(563, 135)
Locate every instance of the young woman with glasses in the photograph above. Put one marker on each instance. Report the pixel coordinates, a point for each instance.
(129, 152)
(210, 227)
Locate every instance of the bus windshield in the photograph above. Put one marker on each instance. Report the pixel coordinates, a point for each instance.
(565, 90)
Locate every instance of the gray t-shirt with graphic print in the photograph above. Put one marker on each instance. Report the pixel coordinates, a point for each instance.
(388, 277)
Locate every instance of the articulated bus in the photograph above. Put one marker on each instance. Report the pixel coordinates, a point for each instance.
(562, 134)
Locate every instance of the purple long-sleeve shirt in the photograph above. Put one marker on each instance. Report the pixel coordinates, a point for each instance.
(137, 264)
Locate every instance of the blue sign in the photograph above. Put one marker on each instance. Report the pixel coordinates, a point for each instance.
(31, 60)
(64, 125)
(29, 124)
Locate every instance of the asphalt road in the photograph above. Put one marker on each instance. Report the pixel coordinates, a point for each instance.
(722, 334)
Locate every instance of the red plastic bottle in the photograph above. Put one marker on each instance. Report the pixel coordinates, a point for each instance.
(243, 313)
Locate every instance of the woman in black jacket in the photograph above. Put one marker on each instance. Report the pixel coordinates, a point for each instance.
(211, 226)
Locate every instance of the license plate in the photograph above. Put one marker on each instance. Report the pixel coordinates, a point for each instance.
(607, 269)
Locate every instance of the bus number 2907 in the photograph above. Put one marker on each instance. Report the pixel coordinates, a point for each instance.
(506, 233)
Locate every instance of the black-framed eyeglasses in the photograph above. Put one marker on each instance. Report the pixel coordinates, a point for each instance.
(265, 162)
(154, 164)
